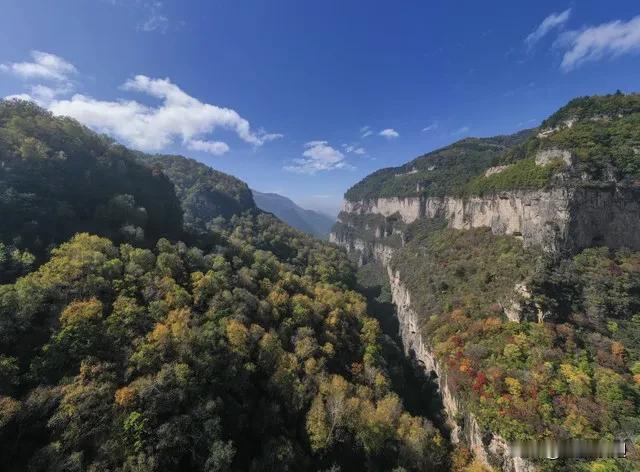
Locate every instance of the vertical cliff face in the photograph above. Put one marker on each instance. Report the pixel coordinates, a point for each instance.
(547, 188)
(565, 219)
(561, 220)
(490, 448)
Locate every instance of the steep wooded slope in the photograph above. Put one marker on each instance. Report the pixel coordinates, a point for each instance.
(245, 349)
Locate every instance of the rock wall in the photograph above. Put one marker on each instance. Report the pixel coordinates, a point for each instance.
(564, 219)
(365, 251)
(410, 208)
(489, 447)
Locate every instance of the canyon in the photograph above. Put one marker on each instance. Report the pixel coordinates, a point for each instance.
(561, 220)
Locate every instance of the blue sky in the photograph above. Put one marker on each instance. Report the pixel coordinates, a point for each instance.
(305, 98)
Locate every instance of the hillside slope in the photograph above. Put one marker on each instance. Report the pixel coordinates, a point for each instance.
(204, 193)
(308, 221)
(58, 177)
(441, 172)
(245, 348)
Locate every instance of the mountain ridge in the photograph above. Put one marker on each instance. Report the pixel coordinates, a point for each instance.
(309, 221)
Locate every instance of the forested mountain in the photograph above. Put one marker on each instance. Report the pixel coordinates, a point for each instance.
(600, 133)
(243, 348)
(308, 221)
(205, 193)
(437, 173)
(58, 178)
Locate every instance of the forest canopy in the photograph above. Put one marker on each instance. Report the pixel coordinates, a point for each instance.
(130, 343)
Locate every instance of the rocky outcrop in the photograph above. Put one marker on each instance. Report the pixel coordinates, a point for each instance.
(565, 219)
(494, 170)
(364, 251)
(548, 156)
(489, 447)
(410, 208)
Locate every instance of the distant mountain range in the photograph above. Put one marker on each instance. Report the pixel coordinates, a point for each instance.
(309, 221)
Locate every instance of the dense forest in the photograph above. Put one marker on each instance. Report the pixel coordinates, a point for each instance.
(58, 178)
(131, 343)
(205, 193)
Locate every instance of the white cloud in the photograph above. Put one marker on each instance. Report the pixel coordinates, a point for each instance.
(460, 131)
(212, 147)
(318, 156)
(365, 131)
(432, 127)
(555, 20)
(44, 66)
(389, 133)
(180, 116)
(353, 149)
(611, 39)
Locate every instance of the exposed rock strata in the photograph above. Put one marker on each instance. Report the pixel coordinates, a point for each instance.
(560, 219)
(490, 448)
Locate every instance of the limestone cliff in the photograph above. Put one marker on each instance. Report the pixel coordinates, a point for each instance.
(490, 448)
(544, 187)
(565, 219)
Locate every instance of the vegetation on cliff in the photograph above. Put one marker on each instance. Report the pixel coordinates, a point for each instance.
(574, 375)
(523, 174)
(595, 106)
(602, 135)
(369, 227)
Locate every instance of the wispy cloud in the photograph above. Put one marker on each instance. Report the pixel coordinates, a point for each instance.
(460, 131)
(432, 127)
(151, 15)
(318, 156)
(179, 118)
(553, 21)
(389, 133)
(365, 131)
(606, 40)
(354, 149)
(155, 19)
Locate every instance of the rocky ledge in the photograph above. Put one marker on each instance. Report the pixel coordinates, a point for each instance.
(565, 219)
